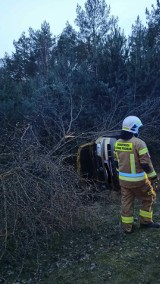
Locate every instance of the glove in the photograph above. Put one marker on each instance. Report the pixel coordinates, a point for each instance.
(154, 182)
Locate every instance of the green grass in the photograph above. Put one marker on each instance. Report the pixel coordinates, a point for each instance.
(99, 253)
(136, 259)
(108, 256)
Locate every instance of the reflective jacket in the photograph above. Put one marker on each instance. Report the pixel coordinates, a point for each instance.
(134, 162)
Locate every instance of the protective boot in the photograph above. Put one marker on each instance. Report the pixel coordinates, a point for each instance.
(150, 225)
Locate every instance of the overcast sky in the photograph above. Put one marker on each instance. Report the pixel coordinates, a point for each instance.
(16, 16)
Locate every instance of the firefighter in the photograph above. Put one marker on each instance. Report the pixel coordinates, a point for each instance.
(136, 176)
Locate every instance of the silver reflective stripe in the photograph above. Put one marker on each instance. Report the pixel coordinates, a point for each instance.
(132, 177)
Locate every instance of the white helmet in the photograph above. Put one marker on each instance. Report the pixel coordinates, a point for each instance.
(131, 124)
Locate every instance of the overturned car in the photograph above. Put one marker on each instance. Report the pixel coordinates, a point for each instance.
(95, 161)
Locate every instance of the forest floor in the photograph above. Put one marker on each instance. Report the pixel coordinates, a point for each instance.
(100, 253)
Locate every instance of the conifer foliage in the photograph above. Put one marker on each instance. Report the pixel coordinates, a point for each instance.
(57, 92)
(87, 75)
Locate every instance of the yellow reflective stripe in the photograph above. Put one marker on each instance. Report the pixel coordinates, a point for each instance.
(146, 214)
(116, 154)
(139, 122)
(143, 151)
(132, 164)
(127, 220)
(133, 178)
(152, 174)
(126, 128)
